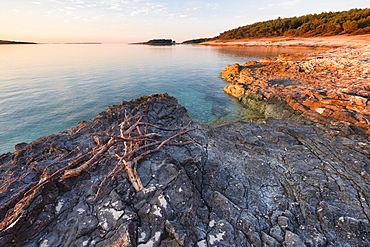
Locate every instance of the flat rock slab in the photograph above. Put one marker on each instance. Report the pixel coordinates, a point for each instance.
(267, 183)
(331, 87)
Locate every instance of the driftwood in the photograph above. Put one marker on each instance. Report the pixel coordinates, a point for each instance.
(137, 143)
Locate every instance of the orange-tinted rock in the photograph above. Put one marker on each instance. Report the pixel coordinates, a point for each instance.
(344, 116)
(234, 89)
(324, 112)
(231, 73)
(330, 87)
(311, 103)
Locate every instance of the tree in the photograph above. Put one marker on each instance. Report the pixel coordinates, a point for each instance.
(354, 21)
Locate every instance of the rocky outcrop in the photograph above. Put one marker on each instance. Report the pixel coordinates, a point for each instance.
(331, 87)
(267, 183)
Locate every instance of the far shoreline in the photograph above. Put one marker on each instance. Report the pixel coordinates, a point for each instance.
(11, 42)
(320, 43)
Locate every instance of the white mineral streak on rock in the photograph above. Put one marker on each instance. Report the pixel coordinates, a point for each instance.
(162, 201)
(44, 243)
(115, 204)
(150, 189)
(104, 225)
(320, 110)
(116, 214)
(151, 242)
(80, 210)
(126, 217)
(217, 237)
(202, 243)
(157, 211)
(142, 237)
(13, 224)
(59, 206)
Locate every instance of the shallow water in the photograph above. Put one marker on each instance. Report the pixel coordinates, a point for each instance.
(48, 88)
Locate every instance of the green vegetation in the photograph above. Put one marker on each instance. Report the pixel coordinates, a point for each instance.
(196, 41)
(156, 42)
(354, 21)
(161, 42)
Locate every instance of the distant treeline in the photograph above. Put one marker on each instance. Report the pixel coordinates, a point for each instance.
(354, 21)
(196, 41)
(8, 42)
(161, 42)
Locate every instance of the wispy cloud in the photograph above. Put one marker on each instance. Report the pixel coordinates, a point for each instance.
(286, 3)
(149, 8)
(124, 9)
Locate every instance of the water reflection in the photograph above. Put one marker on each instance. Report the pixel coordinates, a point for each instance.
(49, 88)
(255, 53)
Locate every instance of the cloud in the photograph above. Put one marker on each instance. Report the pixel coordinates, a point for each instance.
(287, 3)
(148, 8)
(139, 12)
(70, 8)
(123, 9)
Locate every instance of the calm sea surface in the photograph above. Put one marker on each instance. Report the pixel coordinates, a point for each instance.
(48, 88)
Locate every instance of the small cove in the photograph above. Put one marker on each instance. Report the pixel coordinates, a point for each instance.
(48, 88)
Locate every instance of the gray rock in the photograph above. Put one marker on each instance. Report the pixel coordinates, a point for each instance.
(272, 183)
(293, 240)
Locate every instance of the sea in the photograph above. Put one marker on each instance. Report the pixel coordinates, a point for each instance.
(47, 88)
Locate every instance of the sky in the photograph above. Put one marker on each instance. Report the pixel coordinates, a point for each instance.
(121, 21)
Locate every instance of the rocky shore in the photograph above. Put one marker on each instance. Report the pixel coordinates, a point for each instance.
(321, 43)
(331, 87)
(274, 182)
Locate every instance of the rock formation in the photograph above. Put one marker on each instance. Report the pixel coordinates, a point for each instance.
(266, 183)
(331, 87)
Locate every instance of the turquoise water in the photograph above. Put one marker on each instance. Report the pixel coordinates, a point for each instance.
(48, 88)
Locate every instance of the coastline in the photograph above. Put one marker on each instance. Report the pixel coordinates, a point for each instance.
(327, 42)
(331, 87)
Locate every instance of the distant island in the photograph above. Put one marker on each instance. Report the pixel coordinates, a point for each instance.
(171, 42)
(156, 42)
(8, 42)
